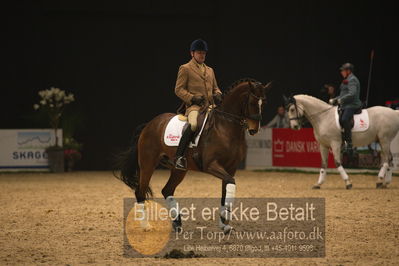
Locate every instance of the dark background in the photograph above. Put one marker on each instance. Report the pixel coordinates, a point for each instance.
(120, 58)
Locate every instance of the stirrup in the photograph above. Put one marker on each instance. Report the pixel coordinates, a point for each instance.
(181, 163)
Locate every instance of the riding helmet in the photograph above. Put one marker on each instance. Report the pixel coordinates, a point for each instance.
(347, 66)
(199, 45)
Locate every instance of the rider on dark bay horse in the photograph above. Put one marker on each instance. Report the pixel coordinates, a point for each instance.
(220, 149)
(349, 101)
(196, 85)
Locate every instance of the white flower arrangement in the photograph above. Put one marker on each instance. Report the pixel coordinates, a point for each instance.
(54, 97)
(53, 102)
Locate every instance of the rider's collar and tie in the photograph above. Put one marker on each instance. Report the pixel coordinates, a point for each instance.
(201, 67)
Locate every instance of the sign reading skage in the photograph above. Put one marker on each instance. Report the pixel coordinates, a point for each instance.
(263, 227)
(25, 148)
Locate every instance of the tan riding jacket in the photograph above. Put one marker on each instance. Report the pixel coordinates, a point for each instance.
(192, 80)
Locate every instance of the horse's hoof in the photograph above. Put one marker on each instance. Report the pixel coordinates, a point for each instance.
(379, 185)
(177, 226)
(178, 229)
(227, 228)
(349, 186)
(147, 228)
(384, 186)
(316, 187)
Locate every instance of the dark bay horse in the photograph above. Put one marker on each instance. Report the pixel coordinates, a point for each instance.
(220, 149)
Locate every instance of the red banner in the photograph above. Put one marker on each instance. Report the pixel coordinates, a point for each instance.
(297, 148)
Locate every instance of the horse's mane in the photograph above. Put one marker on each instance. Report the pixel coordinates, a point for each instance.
(311, 97)
(238, 82)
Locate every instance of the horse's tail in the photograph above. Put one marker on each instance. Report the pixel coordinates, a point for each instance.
(128, 165)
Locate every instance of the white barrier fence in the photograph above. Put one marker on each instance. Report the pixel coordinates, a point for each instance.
(259, 152)
(24, 149)
(263, 153)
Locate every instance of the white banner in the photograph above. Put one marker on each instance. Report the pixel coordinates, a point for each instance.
(25, 148)
(259, 153)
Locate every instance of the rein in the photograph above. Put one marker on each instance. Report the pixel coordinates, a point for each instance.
(240, 119)
(319, 113)
(309, 116)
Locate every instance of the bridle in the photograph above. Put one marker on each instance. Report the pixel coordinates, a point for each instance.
(242, 120)
(292, 101)
(256, 117)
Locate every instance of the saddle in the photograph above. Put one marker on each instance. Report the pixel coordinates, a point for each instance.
(340, 112)
(200, 121)
(359, 122)
(176, 126)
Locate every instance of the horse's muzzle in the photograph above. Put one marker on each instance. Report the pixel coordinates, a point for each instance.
(252, 131)
(296, 127)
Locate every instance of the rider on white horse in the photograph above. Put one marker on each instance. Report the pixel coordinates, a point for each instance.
(349, 100)
(383, 127)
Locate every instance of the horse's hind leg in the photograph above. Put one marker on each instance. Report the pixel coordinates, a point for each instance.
(176, 176)
(144, 184)
(385, 169)
(324, 164)
(388, 176)
(147, 166)
(336, 148)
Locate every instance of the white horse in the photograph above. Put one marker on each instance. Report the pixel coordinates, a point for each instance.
(384, 125)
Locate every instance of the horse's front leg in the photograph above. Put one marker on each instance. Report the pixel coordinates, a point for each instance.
(176, 177)
(336, 148)
(226, 205)
(228, 194)
(323, 169)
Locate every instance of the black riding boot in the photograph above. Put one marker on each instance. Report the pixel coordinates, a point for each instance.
(348, 139)
(181, 162)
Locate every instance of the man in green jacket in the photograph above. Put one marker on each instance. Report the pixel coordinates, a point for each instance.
(349, 100)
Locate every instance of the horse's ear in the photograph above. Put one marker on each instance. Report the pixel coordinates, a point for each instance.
(268, 86)
(250, 85)
(286, 100)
